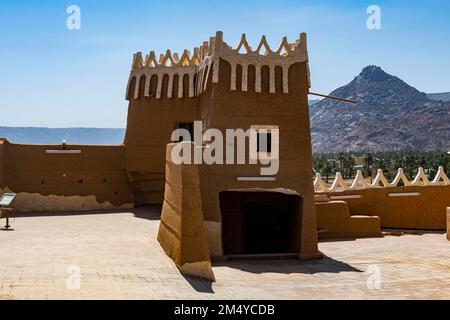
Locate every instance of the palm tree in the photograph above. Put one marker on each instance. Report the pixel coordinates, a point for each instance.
(369, 162)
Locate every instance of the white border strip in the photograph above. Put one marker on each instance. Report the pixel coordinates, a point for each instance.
(405, 194)
(262, 178)
(352, 196)
(63, 151)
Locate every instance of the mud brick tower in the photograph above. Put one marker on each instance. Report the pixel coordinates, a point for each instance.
(224, 210)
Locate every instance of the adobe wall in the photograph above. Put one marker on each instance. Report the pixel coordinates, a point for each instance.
(237, 109)
(92, 179)
(182, 232)
(150, 123)
(448, 223)
(3, 142)
(425, 208)
(334, 221)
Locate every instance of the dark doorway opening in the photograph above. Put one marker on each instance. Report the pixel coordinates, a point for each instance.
(260, 222)
(189, 126)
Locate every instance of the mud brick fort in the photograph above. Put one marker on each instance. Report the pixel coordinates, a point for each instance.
(221, 211)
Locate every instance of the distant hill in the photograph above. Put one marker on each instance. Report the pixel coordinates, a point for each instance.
(313, 102)
(444, 96)
(39, 135)
(390, 115)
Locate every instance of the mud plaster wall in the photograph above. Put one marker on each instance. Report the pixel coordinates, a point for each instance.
(448, 223)
(94, 179)
(425, 211)
(3, 142)
(334, 221)
(182, 231)
(150, 124)
(221, 108)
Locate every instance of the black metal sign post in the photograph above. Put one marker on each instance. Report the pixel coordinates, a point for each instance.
(6, 204)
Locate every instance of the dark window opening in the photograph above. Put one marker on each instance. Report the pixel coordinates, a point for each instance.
(189, 126)
(264, 142)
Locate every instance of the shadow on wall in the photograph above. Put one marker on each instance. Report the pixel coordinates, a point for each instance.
(327, 265)
(415, 232)
(147, 212)
(337, 239)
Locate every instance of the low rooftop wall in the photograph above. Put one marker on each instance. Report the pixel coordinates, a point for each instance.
(65, 177)
(417, 204)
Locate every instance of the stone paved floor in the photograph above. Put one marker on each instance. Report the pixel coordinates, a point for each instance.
(118, 257)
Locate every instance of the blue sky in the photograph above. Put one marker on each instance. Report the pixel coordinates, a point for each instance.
(55, 77)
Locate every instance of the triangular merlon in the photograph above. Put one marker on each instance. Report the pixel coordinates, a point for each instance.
(284, 48)
(150, 60)
(243, 44)
(338, 182)
(137, 61)
(359, 181)
(420, 176)
(440, 176)
(263, 44)
(185, 59)
(380, 178)
(319, 184)
(400, 177)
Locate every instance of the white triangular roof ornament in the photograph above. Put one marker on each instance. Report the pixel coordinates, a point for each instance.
(137, 60)
(400, 177)
(161, 59)
(284, 48)
(243, 44)
(380, 178)
(440, 176)
(359, 182)
(319, 184)
(185, 58)
(168, 60)
(338, 182)
(150, 60)
(196, 57)
(263, 44)
(420, 176)
(175, 57)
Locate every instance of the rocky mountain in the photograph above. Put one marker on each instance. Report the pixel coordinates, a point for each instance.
(389, 115)
(40, 135)
(443, 96)
(313, 101)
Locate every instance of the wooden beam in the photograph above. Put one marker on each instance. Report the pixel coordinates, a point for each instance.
(331, 97)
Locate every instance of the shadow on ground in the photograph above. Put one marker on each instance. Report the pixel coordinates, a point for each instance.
(199, 285)
(151, 212)
(324, 265)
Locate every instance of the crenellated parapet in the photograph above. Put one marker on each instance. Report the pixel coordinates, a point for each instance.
(243, 55)
(194, 70)
(380, 181)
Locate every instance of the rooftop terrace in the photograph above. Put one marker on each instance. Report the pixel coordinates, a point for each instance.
(118, 257)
